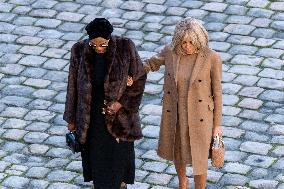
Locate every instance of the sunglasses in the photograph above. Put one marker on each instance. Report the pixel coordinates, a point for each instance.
(95, 46)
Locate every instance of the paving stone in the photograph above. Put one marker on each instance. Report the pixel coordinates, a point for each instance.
(243, 69)
(56, 76)
(250, 103)
(14, 123)
(215, 17)
(8, 38)
(39, 103)
(279, 164)
(261, 22)
(46, 13)
(271, 73)
(155, 166)
(218, 36)
(154, 1)
(229, 88)
(32, 50)
(26, 30)
(252, 136)
(275, 118)
(234, 179)
(54, 43)
(151, 131)
(38, 149)
(35, 137)
(196, 13)
(54, 53)
(38, 126)
(89, 9)
(17, 90)
(139, 185)
(58, 141)
(28, 40)
(236, 10)
(228, 77)
(112, 13)
(39, 83)
(176, 11)
(6, 28)
(246, 80)
(59, 175)
(67, 6)
(243, 49)
(268, 52)
(278, 151)
(22, 10)
(263, 32)
(133, 15)
(14, 134)
(270, 83)
(44, 4)
(237, 168)
(16, 182)
(37, 172)
(154, 8)
(161, 179)
(40, 184)
(40, 115)
(6, 7)
(218, 7)
(9, 48)
(75, 166)
(259, 173)
(234, 156)
(219, 46)
(229, 99)
(254, 126)
(232, 144)
(13, 146)
(235, 19)
(12, 69)
(154, 37)
(229, 110)
(247, 60)
(255, 147)
(277, 6)
(59, 152)
(153, 89)
(261, 183)
(231, 121)
(251, 91)
(10, 58)
(273, 63)
(15, 112)
(239, 29)
(31, 60)
(63, 186)
(133, 5)
(251, 114)
(48, 23)
(57, 162)
(34, 72)
(53, 34)
(277, 130)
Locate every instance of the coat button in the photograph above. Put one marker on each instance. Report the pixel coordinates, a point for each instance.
(200, 100)
(168, 110)
(168, 74)
(169, 92)
(199, 80)
(201, 120)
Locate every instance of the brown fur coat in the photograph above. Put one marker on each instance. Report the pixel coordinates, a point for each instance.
(122, 60)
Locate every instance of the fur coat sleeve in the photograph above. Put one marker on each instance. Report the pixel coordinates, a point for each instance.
(132, 95)
(71, 95)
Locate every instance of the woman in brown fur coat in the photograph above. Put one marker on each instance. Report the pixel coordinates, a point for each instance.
(192, 101)
(102, 108)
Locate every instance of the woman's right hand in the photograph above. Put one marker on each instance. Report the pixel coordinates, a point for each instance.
(71, 127)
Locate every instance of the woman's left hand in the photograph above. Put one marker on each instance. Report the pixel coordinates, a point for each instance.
(217, 130)
(113, 108)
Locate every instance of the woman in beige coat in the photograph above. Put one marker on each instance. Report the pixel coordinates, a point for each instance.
(192, 101)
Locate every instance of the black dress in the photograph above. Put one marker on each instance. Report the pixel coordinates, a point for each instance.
(104, 160)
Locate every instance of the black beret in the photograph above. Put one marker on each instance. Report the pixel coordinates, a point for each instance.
(99, 27)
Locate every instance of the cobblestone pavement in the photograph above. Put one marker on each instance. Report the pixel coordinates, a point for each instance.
(36, 36)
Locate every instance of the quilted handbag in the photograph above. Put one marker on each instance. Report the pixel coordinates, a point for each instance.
(218, 152)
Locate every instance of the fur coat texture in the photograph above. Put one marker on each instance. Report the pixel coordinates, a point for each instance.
(204, 104)
(122, 60)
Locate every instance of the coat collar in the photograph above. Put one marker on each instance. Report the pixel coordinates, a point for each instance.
(89, 55)
(199, 63)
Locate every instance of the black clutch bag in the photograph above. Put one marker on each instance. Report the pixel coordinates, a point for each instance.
(72, 142)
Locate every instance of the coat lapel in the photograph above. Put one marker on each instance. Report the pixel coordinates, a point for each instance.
(199, 63)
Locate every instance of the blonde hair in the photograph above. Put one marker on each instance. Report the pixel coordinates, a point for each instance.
(192, 29)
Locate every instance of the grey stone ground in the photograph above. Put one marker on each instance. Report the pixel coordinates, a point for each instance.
(36, 36)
